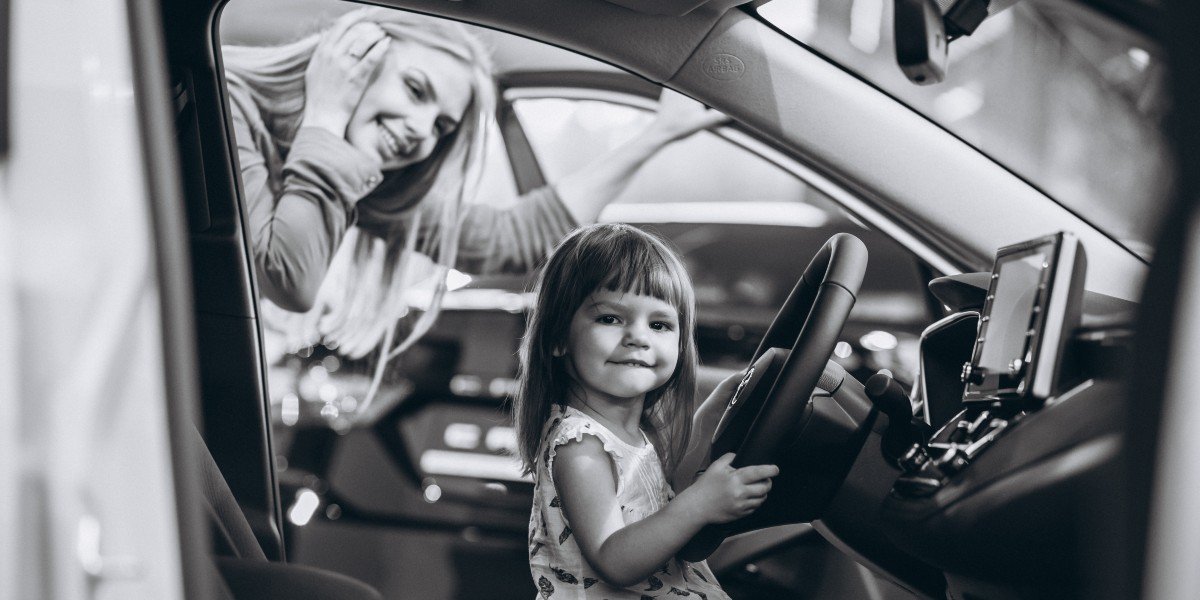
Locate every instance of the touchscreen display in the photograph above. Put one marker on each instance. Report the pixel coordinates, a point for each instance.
(1032, 307)
(1016, 291)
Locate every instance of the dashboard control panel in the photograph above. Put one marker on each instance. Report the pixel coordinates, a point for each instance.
(1031, 308)
(926, 467)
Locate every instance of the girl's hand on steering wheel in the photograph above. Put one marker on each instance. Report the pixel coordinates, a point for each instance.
(679, 116)
(340, 70)
(723, 494)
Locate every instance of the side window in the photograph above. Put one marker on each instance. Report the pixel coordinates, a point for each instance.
(746, 226)
(567, 134)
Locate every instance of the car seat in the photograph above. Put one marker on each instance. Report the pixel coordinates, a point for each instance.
(240, 560)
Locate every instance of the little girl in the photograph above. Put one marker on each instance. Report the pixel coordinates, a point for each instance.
(603, 417)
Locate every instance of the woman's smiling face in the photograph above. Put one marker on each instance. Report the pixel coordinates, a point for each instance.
(418, 95)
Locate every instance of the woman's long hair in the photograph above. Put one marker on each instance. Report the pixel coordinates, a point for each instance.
(407, 232)
(619, 258)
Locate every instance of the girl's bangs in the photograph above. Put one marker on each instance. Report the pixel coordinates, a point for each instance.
(648, 275)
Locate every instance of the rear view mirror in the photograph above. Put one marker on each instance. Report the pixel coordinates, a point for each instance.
(923, 32)
(921, 46)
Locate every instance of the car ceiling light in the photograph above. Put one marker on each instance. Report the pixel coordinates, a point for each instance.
(330, 411)
(866, 21)
(502, 386)
(797, 18)
(957, 103)
(456, 279)
(328, 392)
(472, 464)
(876, 341)
(318, 373)
(790, 214)
(302, 510)
(487, 299)
(501, 439)
(433, 493)
(289, 409)
(463, 436)
(1139, 57)
(331, 363)
(466, 385)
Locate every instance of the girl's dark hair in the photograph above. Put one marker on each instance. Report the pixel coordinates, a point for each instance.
(619, 258)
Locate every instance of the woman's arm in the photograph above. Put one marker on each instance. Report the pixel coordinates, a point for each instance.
(298, 216)
(514, 239)
(586, 192)
(296, 223)
(626, 554)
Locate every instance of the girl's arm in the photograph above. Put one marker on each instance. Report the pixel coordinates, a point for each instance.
(625, 554)
(586, 192)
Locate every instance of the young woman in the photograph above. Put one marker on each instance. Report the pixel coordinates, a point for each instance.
(603, 416)
(362, 143)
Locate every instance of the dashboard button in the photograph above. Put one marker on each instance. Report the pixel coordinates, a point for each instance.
(971, 374)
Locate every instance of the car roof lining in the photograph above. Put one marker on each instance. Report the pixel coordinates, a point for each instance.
(922, 176)
(652, 46)
(675, 7)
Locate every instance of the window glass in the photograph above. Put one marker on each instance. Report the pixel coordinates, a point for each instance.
(1065, 97)
(746, 227)
(567, 134)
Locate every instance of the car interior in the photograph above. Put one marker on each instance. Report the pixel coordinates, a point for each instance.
(1010, 457)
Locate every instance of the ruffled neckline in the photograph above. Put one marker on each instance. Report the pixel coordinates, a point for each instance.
(566, 411)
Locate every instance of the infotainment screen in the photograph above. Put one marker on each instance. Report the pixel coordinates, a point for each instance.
(1031, 308)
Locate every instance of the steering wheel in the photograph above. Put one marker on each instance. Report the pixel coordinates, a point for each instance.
(771, 419)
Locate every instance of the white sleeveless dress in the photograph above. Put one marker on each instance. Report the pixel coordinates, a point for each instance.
(559, 570)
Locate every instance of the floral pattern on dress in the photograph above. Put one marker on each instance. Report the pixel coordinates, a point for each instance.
(556, 563)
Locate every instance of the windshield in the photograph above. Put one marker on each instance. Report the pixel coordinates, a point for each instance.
(1063, 96)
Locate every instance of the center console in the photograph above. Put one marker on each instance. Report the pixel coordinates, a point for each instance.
(1031, 309)
(1021, 389)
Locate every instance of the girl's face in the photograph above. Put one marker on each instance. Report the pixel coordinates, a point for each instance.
(419, 94)
(621, 345)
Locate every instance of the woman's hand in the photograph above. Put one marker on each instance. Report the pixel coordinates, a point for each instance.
(587, 191)
(723, 494)
(341, 67)
(679, 116)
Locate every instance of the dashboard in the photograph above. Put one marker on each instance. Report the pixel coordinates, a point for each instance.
(1017, 420)
(975, 492)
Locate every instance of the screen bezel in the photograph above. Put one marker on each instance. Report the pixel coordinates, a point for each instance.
(999, 385)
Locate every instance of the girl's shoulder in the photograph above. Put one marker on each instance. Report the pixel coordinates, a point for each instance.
(568, 425)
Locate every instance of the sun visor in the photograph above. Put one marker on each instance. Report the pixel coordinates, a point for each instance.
(676, 8)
